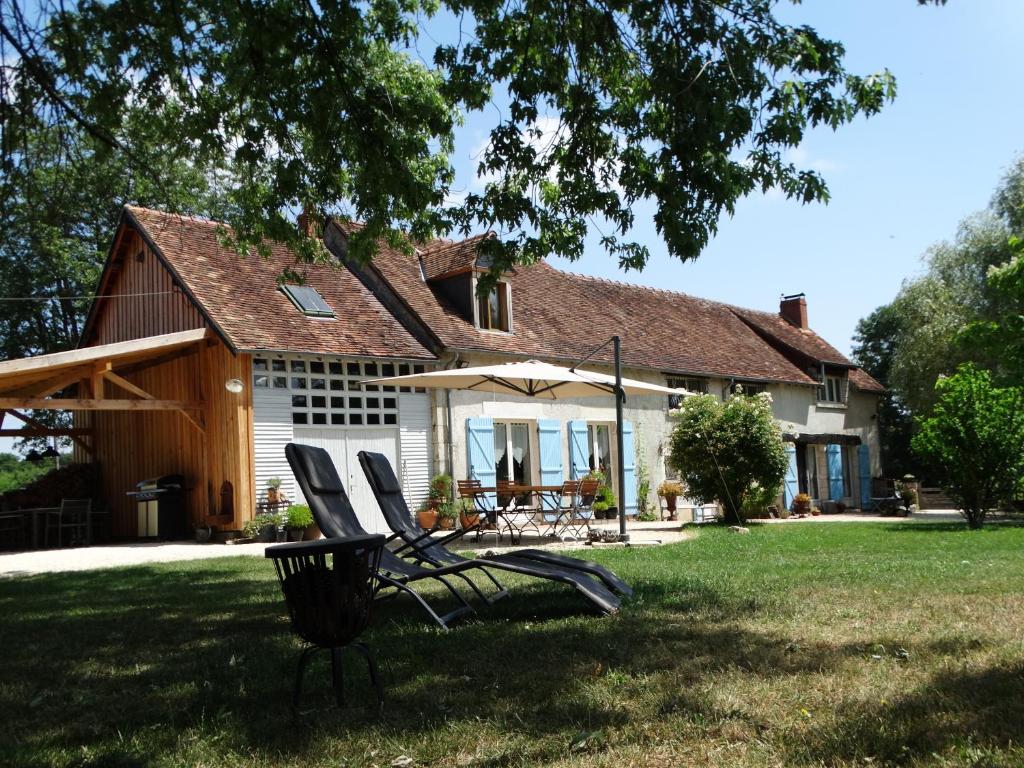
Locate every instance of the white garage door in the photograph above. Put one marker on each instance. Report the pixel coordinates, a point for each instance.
(344, 446)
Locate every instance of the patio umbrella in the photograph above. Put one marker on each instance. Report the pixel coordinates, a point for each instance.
(534, 378)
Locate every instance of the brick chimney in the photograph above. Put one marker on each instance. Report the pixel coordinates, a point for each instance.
(308, 223)
(794, 309)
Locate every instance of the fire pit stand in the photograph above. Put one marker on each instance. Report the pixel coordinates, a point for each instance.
(328, 586)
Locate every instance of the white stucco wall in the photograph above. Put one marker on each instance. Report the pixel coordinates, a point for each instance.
(795, 407)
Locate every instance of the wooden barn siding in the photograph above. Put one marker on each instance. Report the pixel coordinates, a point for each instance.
(133, 446)
(165, 310)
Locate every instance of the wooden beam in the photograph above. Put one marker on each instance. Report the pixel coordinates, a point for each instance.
(39, 425)
(50, 386)
(198, 423)
(132, 350)
(37, 432)
(98, 373)
(127, 385)
(55, 404)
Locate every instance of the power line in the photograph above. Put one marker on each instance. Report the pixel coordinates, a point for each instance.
(97, 296)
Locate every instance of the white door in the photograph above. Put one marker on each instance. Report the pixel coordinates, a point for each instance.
(344, 445)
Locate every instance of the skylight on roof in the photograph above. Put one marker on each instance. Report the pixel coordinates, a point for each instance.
(308, 300)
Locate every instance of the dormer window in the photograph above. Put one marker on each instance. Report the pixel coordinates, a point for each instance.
(493, 309)
(307, 300)
(833, 389)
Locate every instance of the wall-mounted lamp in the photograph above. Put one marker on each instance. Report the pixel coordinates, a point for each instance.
(234, 386)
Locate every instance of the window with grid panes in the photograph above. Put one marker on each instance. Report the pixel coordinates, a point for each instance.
(328, 393)
(700, 386)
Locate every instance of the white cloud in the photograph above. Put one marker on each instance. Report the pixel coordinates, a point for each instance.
(802, 158)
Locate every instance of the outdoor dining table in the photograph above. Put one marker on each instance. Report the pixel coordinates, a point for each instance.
(35, 513)
(41, 512)
(552, 494)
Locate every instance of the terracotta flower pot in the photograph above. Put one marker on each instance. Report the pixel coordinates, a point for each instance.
(311, 533)
(427, 518)
(447, 523)
(273, 495)
(468, 521)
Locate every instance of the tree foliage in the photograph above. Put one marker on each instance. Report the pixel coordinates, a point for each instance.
(728, 451)
(689, 103)
(974, 441)
(963, 308)
(59, 205)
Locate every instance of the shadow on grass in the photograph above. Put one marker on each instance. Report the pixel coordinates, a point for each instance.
(991, 524)
(125, 667)
(982, 707)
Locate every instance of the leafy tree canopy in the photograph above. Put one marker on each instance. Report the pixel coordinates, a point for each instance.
(691, 103)
(923, 333)
(974, 441)
(728, 451)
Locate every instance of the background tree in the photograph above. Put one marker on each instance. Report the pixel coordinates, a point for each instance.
(725, 451)
(690, 103)
(974, 441)
(1001, 338)
(953, 313)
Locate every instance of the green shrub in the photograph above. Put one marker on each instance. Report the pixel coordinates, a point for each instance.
(299, 516)
(254, 527)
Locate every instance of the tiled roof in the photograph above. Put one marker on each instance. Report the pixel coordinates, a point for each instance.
(556, 315)
(240, 294)
(447, 257)
(802, 340)
(561, 315)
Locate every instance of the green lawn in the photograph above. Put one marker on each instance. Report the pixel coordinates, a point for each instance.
(838, 644)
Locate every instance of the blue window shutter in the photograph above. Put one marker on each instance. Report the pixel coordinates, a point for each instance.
(864, 460)
(790, 485)
(480, 450)
(834, 459)
(629, 467)
(549, 438)
(579, 450)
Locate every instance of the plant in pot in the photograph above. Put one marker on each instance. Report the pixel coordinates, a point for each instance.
(299, 518)
(670, 490)
(447, 514)
(261, 528)
(427, 515)
(469, 517)
(274, 490)
(606, 499)
(801, 504)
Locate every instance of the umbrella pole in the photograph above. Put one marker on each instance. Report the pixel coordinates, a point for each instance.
(621, 464)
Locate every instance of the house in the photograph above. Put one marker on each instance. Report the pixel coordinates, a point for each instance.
(270, 363)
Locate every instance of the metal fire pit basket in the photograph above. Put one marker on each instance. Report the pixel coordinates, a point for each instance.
(328, 587)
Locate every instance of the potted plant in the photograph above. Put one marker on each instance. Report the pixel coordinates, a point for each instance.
(261, 528)
(280, 526)
(274, 490)
(468, 515)
(298, 518)
(670, 490)
(801, 504)
(447, 514)
(815, 512)
(427, 516)
(606, 499)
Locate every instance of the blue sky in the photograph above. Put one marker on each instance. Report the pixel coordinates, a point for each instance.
(900, 180)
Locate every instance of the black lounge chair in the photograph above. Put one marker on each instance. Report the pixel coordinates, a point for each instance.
(422, 547)
(332, 510)
(325, 494)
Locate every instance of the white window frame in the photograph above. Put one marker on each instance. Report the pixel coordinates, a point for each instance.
(337, 381)
(834, 390)
(508, 308)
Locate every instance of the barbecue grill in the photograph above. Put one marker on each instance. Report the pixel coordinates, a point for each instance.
(160, 505)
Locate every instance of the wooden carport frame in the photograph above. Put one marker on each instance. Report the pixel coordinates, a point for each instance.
(39, 383)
